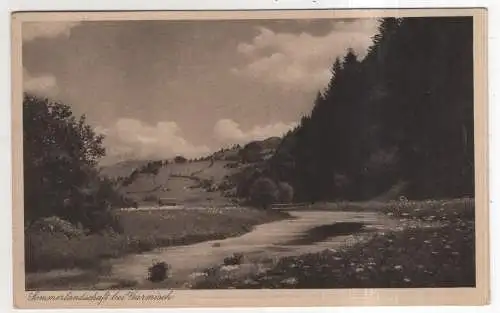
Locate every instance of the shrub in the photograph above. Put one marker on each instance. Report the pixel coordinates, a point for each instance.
(128, 203)
(150, 198)
(114, 222)
(55, 224)
(152, 167)
(158, 272)
(285, 192)
(229, 193)
(244, 180)
(235, 259)
(180, 159)
(225, 185)
(232, 165)
(251, 153)
(206, 183)
(263, 192)
(105, 221)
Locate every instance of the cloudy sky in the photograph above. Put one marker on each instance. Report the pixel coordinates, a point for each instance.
(161, 88)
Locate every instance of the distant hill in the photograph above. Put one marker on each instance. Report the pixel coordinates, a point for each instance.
(270, 143)
(263, 148)
(122, 169)
(249, 153)
(252, 152)
(206, 180)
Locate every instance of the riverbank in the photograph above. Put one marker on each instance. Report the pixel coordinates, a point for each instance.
(438, 253)
(143, 231)
(267, 240)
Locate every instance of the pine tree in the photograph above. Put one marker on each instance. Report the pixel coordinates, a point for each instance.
(402, 114)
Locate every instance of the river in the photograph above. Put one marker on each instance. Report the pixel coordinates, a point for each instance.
(267, 241)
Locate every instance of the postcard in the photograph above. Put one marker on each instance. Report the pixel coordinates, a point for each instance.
(250, 158)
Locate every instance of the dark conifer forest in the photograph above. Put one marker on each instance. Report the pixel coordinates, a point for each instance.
(401, 118)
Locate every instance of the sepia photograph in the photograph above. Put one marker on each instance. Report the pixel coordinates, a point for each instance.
(323, 151)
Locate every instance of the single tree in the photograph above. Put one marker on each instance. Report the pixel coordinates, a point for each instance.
(60, 155)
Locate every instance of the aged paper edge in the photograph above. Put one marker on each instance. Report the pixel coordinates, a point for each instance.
(480, 295)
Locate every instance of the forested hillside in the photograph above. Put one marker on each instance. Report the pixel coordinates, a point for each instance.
(401, 116)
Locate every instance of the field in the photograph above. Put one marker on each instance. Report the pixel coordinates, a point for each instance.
(438, 254)
(181, 183)
(143, 231)
(201, 182)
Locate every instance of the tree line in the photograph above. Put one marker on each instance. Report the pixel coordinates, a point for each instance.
(401, 116)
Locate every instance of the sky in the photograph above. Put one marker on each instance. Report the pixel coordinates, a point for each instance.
(157, 89)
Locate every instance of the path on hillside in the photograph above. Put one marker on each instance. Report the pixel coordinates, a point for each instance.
(203, 169)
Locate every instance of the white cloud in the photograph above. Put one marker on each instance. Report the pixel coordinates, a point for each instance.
(32, 30)
(132, 137)
(302, 61)
(44, 85)
(228, 131)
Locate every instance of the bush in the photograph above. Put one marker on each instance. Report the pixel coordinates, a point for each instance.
(232, 165)
(180, 159)
(128, 203)
(285, 192)
(235, 259)
(150, 198)
(106, 221)
(158, 272)
(206, 183)
(244, 180)
(152, 167)
(263, 193)
(251, 153)
(225, 185)
(127, 181)
(55, 224)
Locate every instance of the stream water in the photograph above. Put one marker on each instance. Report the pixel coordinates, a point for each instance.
(306, 232)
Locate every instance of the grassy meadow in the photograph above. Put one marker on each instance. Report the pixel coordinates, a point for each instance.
(178, 181)
(144, 230)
